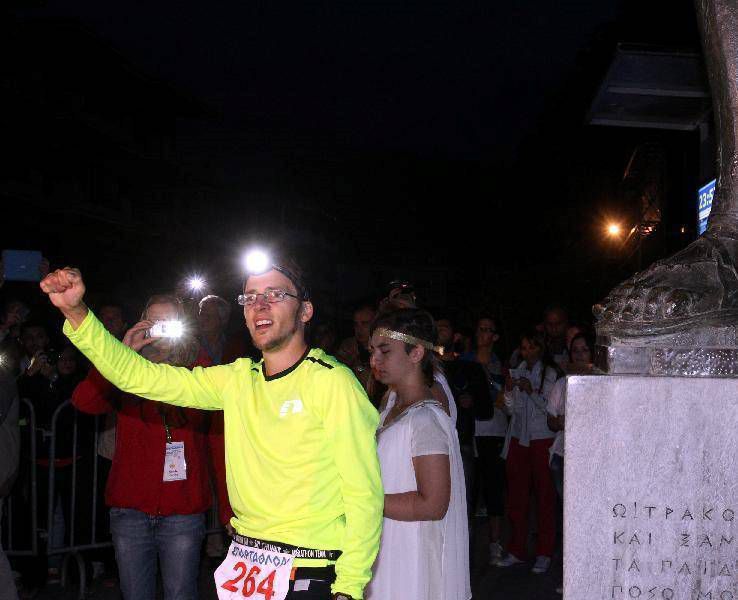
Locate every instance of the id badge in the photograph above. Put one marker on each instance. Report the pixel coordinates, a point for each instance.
(250, 573)
(175, 465)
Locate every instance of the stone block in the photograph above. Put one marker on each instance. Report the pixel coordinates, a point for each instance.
(651, 488)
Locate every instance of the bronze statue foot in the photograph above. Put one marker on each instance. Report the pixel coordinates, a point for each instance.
(697, 286)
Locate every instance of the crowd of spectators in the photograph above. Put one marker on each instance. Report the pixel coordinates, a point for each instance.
(508, 412)
(102, 448)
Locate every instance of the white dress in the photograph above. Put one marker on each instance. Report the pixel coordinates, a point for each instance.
(421, 560)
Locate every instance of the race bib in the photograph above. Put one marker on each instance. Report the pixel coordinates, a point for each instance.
(250, 573)
(175, 466)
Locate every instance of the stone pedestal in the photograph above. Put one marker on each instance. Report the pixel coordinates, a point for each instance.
(651, 488)
(703, 351)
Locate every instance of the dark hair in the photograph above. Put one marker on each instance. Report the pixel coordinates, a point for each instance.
(320, 330)
(289, 267)
(446, 317)
(538, 338)
(482, 317)
(588, 339)
(7, 303)
(35, 323)
(81, 364)
(417, 323)
(556, 307)
(365, 306)
(110, 303)
(488, 317)
(223, 308)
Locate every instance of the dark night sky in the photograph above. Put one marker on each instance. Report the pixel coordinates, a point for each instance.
(446, 79)
(427, 132)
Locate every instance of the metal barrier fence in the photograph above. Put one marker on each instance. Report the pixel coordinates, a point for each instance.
(24, 501)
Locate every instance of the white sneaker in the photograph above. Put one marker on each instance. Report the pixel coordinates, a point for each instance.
(495, 552)
(542, 564)
(508, 561)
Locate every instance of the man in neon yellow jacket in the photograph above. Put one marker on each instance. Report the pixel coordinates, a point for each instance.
(302, 468)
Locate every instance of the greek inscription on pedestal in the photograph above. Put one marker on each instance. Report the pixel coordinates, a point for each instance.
(672, 552)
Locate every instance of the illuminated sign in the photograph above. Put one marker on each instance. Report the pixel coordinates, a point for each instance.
(704, 205)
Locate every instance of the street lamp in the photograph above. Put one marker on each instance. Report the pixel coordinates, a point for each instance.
(614, 230)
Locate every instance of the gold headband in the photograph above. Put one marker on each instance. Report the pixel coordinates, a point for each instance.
(408, 339)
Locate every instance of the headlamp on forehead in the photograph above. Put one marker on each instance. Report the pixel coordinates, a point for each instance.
(196, 283)
(258, 262)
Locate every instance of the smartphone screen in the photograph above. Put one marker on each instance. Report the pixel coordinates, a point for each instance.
(22, 265)
(168, 329)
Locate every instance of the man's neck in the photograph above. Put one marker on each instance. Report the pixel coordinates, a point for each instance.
(283, 358)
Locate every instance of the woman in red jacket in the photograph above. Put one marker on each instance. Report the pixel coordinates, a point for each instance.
(158, 489)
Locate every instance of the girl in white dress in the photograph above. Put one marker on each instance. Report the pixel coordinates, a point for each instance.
(424, 552)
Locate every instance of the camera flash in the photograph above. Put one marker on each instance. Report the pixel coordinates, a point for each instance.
(196, 283)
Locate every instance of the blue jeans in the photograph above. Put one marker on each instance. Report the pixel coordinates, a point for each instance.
(138, 538)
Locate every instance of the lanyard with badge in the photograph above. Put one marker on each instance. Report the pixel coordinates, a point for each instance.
(175, 465)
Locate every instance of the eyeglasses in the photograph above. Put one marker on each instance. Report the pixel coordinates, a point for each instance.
(270, 296)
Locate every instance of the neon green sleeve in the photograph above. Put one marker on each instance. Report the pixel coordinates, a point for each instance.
(351, 423)
(132, 373)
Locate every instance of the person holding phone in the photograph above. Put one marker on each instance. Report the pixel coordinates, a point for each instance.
(159, 487)
(528, 439)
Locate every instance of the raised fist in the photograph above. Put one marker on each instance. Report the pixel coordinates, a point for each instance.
(66, 290)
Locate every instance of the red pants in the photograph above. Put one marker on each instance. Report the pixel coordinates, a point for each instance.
(527, 468)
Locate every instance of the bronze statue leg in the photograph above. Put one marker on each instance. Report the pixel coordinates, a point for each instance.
(689, 302)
